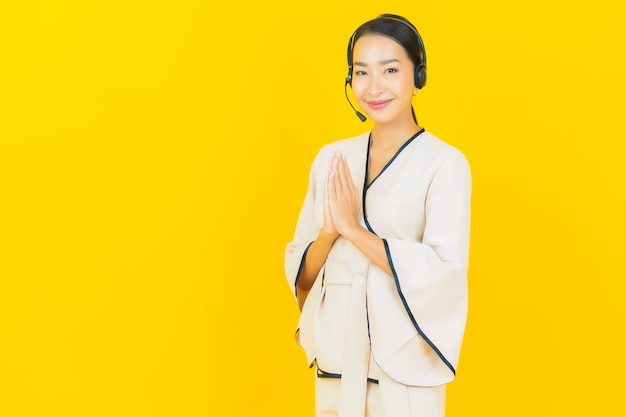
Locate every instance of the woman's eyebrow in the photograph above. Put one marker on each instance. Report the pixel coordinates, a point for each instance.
(383, 62)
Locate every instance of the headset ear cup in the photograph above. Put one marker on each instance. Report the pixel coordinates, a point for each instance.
(420, 76)
(349, 59)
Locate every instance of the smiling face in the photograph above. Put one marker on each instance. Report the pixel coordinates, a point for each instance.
(382, 79)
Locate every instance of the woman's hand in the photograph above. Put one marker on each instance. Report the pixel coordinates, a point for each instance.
(329, 226)
(344, 202)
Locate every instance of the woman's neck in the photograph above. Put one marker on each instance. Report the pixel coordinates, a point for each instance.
(392, 136)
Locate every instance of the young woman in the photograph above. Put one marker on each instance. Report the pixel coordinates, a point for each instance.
(379, 258)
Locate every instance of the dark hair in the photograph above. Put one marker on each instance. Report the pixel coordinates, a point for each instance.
(395, 27)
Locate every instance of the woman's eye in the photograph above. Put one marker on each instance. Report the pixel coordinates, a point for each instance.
(360, 73)
(390, 70)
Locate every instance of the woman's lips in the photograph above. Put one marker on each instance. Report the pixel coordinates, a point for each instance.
(378, 104)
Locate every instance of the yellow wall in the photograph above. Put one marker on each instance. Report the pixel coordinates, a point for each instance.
(154, 155)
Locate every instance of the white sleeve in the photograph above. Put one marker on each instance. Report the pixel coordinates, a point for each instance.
(427, 299)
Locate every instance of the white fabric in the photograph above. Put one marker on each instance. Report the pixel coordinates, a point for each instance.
(356, 353)
(420, 206)
(386, 399)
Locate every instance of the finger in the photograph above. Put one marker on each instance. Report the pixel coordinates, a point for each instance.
(332, 186)
(327, 188)
(330, 189)
(348, 176)
(344, 172)
(329, 169)
(331, 162)
(336, 176)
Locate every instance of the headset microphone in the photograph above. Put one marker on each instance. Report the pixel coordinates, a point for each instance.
(358, 113)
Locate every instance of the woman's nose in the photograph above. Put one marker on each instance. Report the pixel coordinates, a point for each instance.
(374, 86)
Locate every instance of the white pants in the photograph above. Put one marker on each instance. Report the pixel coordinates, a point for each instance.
(423, 401)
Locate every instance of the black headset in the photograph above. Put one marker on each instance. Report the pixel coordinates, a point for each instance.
(420, 70)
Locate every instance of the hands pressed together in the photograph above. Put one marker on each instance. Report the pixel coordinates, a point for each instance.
(342, 204)
(342, 201)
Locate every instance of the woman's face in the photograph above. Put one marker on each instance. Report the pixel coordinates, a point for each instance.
(382, 79)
